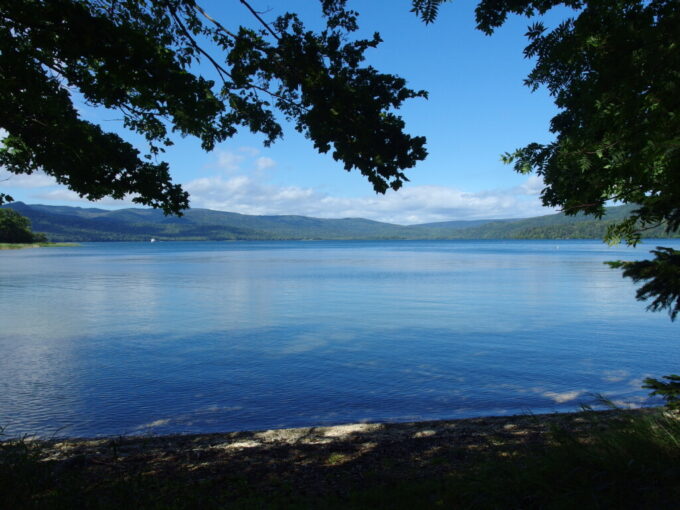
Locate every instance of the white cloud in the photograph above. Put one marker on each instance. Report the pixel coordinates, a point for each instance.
(250, 151)
(240, 160)
(229, 161)
(415, 204)
(25, 181)
(45, 188)
(533, 185)
(236, 190)
(60, 194)
(262, 163)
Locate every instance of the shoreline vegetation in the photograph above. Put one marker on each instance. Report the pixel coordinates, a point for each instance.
(20, 246)
(594, 459)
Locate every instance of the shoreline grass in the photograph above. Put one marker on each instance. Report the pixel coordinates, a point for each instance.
(20, 246)
(591, 459)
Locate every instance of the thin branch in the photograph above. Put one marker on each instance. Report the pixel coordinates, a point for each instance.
(585, 206)
(130, 111)
(259, 18)
(223, 73)
(220, 70)
(580, 206)
(213, 20)
(36, 121)
(608, 146)
(657, 224)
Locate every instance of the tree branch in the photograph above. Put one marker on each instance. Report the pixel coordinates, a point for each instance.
(221, 70)
(657, 224)
(584, 206)
(213, 20)
(259, 18)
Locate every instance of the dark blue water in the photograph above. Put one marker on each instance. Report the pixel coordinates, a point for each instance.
(196, 337)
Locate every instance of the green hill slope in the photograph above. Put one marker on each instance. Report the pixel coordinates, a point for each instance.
(554, 226)
(61, 223)
(78, 224)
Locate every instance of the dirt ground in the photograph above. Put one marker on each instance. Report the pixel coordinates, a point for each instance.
(317, 459)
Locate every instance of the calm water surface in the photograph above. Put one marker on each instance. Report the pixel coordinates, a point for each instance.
(120, 338)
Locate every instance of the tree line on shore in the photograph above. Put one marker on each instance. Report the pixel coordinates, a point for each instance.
(15, 228)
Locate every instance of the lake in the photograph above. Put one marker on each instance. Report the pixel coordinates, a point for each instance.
(134, 338)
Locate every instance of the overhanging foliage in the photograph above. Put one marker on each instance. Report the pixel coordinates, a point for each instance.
(138, 57)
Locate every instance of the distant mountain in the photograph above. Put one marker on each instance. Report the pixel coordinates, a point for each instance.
(553, 226)
(62, 223)
(79, 224)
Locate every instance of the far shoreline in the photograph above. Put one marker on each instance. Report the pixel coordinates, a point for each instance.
(21, 246)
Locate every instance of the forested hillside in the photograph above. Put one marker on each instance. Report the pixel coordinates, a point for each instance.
(61, 223)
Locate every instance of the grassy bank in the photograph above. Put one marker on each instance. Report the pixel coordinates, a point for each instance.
(616, 459)
(19, 246)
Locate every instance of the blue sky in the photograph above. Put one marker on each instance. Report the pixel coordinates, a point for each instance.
(478, 109)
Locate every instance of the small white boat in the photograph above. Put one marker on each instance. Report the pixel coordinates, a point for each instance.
(152, 240)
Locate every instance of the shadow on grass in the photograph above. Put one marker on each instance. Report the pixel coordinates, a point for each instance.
(610, 459)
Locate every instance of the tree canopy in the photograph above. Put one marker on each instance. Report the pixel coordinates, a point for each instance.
(139, 57)
(15, 228)
(613, 69)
